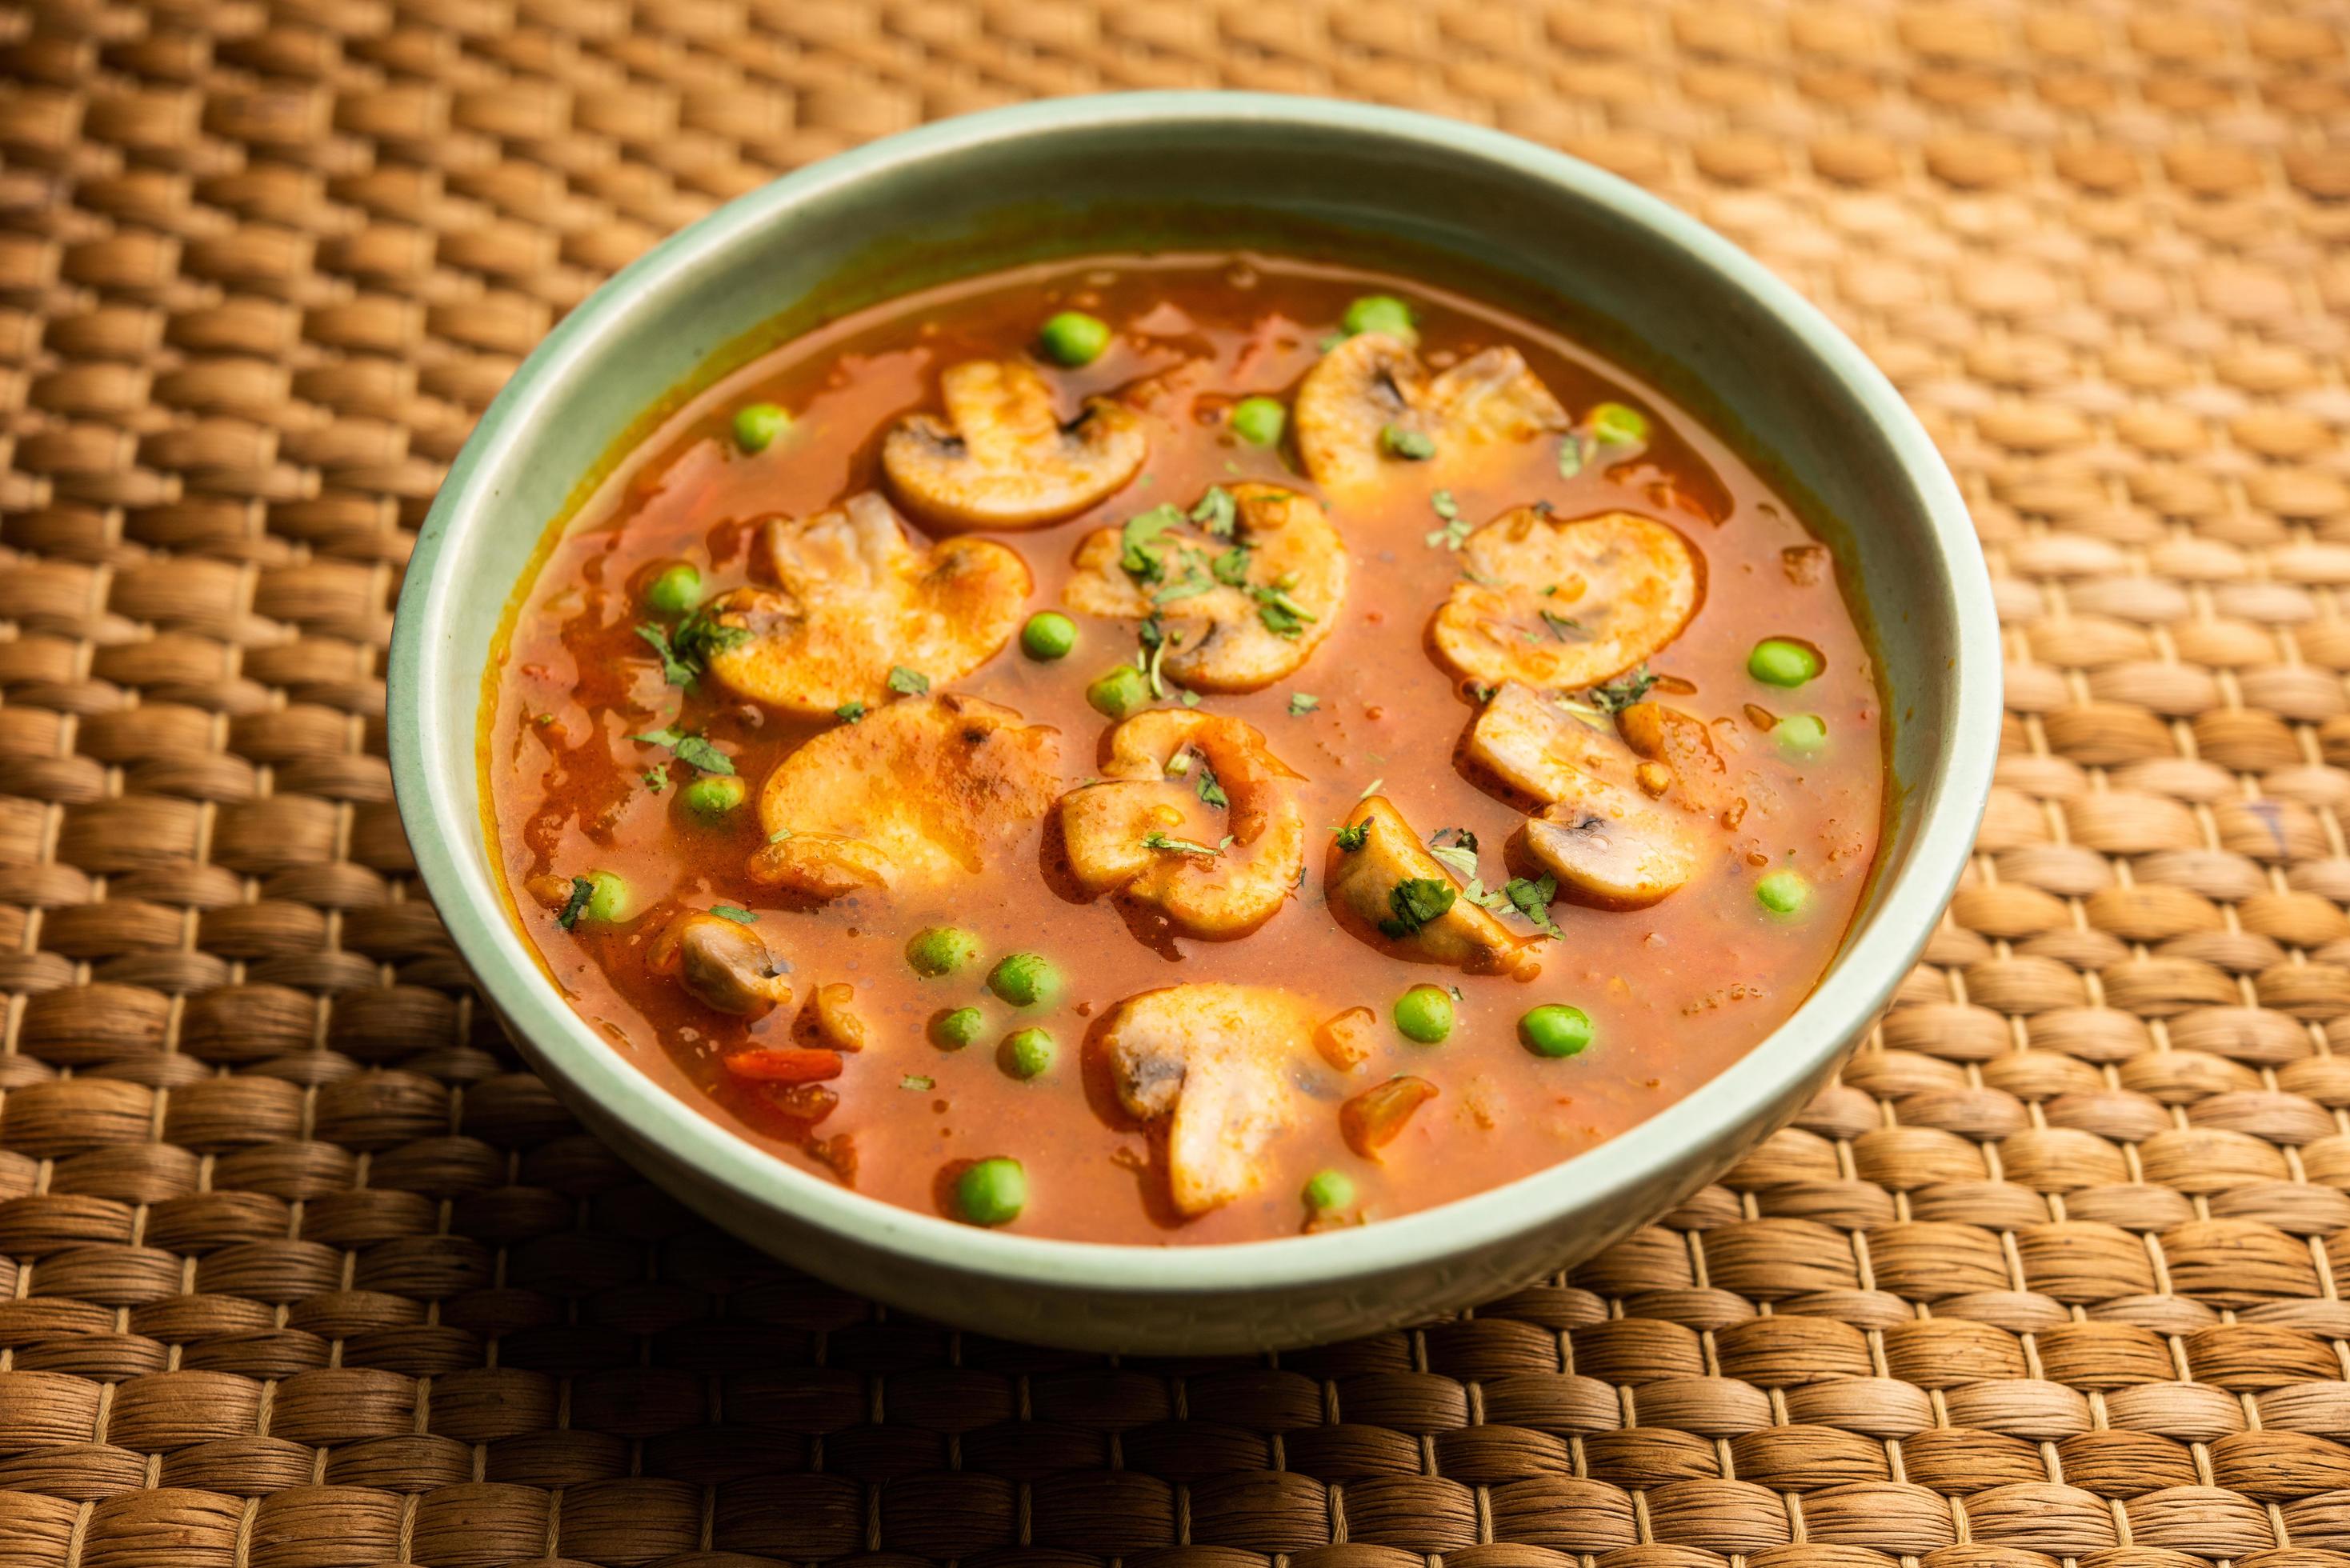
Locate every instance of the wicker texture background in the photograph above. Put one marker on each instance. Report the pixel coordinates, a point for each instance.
(297, 1267)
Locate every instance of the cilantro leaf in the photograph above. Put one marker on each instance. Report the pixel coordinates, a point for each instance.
(1460, 853)
(907, 682)
(849, 712)
(1571, 456)
(1216, 511)
(1301, 704)
(1614, 696)
(686, 652)
(1158, 840)
(691, 750)
(1416, 901)
(1353, 836)
(1532, 900)
(733, 912)
(1231, 567)
(1139, 550)
(921, 1082)
(1567, 628)
(1455, 531)
(582, 891)
(1282, 615)
(1210, 790)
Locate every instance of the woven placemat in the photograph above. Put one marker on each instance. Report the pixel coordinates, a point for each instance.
(302, 1269)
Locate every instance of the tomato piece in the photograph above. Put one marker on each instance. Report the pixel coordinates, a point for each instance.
(1370, 1120)
(791, 1066)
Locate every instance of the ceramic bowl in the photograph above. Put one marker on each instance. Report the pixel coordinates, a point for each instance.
(1618, 269)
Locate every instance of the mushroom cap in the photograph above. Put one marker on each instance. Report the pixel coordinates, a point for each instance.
(1228, 894)
(1223, 637)
(726, 965)
(1361, 882)
(1001, 458)
(1607, 843)
(1560, 603)
(853, 598)
(1211, 1068)
(920, 792)
(1373, 380)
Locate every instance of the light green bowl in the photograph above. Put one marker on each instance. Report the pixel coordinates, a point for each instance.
(1638, 280)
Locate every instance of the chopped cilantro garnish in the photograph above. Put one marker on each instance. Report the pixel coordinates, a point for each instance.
(1158, 840)
(1455, 531)
(582, 891)
(1282, 615)
(849, 712)
(734, 912)
(1140, 552)
(1352, 836)
(685, 652)
(907, 682)
(1571, 455)
(1231, 567)
(1457, 848)
(691, 750)
(1216, 511)
(1372, 788)
(1301, 704)
(656, 780)
(1614, 696)
(920, 1083)
(780, 835)
(1210, 790)
(1407, 444)
(1567, 628)
(1416, 901)
(1532, 900)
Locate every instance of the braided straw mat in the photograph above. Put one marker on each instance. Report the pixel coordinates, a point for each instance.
(298, 1267)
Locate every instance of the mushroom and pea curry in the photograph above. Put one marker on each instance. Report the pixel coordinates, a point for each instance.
(1184, 749)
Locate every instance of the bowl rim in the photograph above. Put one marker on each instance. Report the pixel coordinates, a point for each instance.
(439, 811)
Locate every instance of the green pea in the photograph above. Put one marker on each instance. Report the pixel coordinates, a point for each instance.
(940, 949)
(992, 1192)
(613, 900)
(1379, 313)
(676, 590)
(1119, 692)
(1555, 1030)
(957, 1027)
(1025, 980)
(1784, 892)
(1327, 1190)
(1025, 1053)
(712, 795)
(1049, 635)
(756, 425)
(1782, 661)
(1424, 1014)
(1406, 445)
(1259, 420)
(1615, 424)
(1801, 735)
(1073, 339)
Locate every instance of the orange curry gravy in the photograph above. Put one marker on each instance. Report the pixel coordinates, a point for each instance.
(1675, 991)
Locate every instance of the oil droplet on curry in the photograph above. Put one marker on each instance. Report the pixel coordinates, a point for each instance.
(1184, 749)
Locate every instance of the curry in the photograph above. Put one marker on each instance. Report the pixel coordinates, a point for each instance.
(1184, 749)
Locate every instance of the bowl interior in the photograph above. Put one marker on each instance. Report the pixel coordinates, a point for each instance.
(1480, 212)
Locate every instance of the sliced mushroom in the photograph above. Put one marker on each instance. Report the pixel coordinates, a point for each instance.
(1373, 382)
(1132, 831)
(853, 598)
(726, 965)
(1563, 604)
(1683, 743)
(1001, 458)
(1385, 887)
(1211, 1066)
(923, 791)
(1532, 747)
(1607, 843)
(1240, 613)
(1610, 847)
